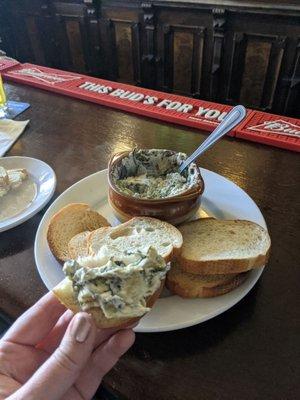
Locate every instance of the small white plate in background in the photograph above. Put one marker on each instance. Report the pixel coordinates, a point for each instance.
(44, 180)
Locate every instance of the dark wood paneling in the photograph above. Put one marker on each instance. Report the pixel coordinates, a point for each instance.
(277, 53)
(292, 101)
(109, 59)
(228, 51)
(6, 32)
(71, 27)
(219, 23)
(183, 43)
(121, 38)
(94, 52)
(258, 60)
(254, 69)
(31, 26)
(33, 32)
(181, 52)
(149, 58)
(75, 44)
(124, 50)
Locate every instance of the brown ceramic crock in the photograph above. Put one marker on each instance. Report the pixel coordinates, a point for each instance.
(174, 210)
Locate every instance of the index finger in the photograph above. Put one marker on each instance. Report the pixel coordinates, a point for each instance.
(36, 322)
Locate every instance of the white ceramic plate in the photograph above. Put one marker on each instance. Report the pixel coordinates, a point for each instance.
(44, 179)
(222, 199)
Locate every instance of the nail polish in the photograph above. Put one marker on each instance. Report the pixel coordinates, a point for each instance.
(81, 327)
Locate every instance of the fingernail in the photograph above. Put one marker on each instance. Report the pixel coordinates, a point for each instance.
(81, 327)
(131, 326)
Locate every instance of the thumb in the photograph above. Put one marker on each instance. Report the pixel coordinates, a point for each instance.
(62, 369)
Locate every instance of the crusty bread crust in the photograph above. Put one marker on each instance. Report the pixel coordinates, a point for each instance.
(189, 264)
(223, 266)
(193, 282)
(68, 222)
(78, 246)
(65, 294)
(185, 291)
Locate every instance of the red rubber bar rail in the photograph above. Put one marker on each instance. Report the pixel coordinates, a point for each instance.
(271, 129)
(7, 63)
(260, 127)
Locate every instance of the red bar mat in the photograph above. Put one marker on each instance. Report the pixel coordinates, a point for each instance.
(275, 130)
(7, 63)
(151, 103)
(177, 109)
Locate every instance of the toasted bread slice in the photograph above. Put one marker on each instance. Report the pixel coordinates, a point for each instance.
(212, 246)
(176, 274)
(137, 234)
(68, 222)
(192, 286)
(78, 246)
(65, 294)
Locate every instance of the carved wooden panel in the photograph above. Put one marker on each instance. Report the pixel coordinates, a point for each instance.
(108, 51)
(149, 56)
(94, 51)
(75, 44)
(182, 58)
(78, 35)
(254, 69)
(124, 51)
(33, 35)
(219, 24)
(121, 42)
(70, 28)
(292, 101)
(32, 31)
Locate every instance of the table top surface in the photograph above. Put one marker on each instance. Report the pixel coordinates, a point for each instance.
(249, 352)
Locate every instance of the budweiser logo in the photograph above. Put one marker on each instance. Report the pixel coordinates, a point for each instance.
(279, 126)
(47, 77)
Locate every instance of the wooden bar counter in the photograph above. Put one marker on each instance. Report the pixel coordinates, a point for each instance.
(249, 352)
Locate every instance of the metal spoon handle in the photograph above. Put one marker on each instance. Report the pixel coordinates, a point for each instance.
(233, 118)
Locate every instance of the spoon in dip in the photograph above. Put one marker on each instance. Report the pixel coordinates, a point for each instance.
(233, 118)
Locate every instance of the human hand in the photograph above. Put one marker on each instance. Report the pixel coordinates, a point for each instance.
(51, 354)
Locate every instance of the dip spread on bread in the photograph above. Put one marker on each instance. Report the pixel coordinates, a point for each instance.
(121, 286)
(153, 174)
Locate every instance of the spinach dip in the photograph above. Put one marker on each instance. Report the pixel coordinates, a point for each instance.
(119, 287)
(153, 174)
